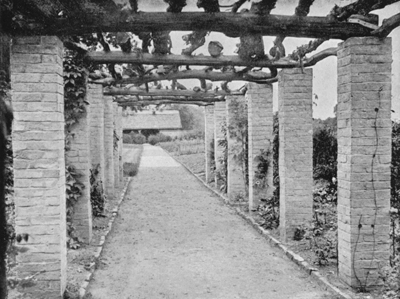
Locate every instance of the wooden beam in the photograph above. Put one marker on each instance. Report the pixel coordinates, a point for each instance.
(160, 102)
(233, 25)
(258, 77)
(234, 60)
(170, 98)
(163, 92)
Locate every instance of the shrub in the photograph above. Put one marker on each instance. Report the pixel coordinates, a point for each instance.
(154, 139)
(325, 154)
(130, 169)
(138, 138)
(164, 138)
(126, 138)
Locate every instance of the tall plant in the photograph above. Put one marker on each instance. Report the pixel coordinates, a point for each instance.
(238, 129)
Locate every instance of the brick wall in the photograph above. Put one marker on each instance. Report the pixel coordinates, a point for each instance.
(219, 119)
(96, 123)
(295, 150)
(260, 117)
(236, 181)
(364, 157)
(39, 163)
(208, 140)
(109, 146)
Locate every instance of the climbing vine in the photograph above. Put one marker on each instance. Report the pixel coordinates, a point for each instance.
(97, 195)
(238, 129)
(222, 171)
(75, 78)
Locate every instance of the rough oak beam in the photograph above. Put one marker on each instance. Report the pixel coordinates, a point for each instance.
(161, 102)
(232, 25)
(234, 60)
(362, 7)
(159, 92)
(257, 77)
(121, 99)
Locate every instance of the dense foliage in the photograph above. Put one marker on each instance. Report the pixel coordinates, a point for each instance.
(325, 153)
(73, 192)
(238, 129)
(222, 172)
(97, 195)
(75, 78)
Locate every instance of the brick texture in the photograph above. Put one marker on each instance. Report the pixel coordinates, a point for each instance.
(295, 150)
(208, 140)
(260, 118)
(39, 163)
(364, 157)
(109, 146)
(96, 123)
(78, 156)
(236, 182)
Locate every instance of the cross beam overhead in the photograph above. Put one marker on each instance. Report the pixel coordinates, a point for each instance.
(233, 25)
(232, 60)
(159, 92)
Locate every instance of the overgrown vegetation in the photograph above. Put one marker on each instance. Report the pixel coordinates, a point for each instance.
(97, 195)
(73, 192)
(75, 78)
(238, 129)
(268, 210)
(222, 172)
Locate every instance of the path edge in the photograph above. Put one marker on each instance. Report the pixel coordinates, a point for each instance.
(85, 284)
(297, 259)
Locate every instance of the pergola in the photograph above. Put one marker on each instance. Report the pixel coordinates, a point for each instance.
(33, 33)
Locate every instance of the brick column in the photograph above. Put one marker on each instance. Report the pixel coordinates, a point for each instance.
(219, 121)
(236, 182)
(260, 118)
(78, 156)
(96, 123)
(120, 145)
(109, 146)
(364, 157)
(208, 140)
(116, 149)
(39, 163)
(295, 150)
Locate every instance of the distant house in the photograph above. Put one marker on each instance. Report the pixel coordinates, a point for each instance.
(167, 122)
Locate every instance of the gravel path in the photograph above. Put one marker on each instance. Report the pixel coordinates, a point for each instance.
(174, 239)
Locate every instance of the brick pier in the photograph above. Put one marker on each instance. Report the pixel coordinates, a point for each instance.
(236, 181)
(208, 140)
(39, 163)
(295, 150)
(260, 117)
(364, 158)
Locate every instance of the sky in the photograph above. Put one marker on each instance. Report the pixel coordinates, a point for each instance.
(325, 72)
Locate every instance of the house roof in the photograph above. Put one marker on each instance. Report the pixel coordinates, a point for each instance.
(149, 120)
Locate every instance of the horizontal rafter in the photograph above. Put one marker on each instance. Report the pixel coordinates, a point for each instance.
(132, 99)
(233, 25)
(233, 60)
(258, 77)
(163, 92)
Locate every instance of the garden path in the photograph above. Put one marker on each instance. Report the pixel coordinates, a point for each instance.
(174, 239)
